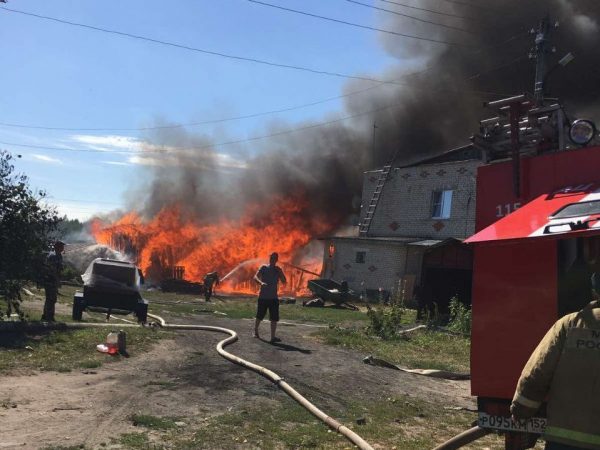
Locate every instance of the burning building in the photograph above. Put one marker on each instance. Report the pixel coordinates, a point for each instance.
(173, 245)
(205, 210)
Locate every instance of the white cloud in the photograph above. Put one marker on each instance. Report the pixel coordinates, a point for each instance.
(177, 157)
(46, 159)
(109, 142)
(148, 154)
(117, 163)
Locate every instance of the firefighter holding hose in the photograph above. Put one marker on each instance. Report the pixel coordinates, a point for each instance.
(565, 370)
(211, 280)
(269, 276)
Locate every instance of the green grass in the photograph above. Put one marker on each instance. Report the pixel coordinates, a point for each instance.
(63, 351)
(400, 422)
(231, 307)
(153, 422)
(134, 440)
(419, 350)
(245, 308)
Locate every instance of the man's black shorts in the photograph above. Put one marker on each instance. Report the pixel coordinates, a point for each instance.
(272, 305)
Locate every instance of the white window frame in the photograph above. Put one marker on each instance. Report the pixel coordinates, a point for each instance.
(442, 208)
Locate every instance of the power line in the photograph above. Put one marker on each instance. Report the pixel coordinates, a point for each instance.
(493, 69)
(410, 17)
(228, 119)
(379, 82)
(253, 115)
(51, 197)
(428, 10)
(198, 50)
(205, 122)
(207, 147)
(471, 5)
(219, 144)
(214, 121)
(366, 27)
(292, 108)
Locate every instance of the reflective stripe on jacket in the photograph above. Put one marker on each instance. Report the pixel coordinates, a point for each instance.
(565, 369)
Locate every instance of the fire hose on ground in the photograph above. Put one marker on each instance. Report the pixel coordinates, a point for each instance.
(456, 442)
(279, 381)
(275, 378)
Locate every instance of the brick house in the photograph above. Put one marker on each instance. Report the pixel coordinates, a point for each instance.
(422, 213)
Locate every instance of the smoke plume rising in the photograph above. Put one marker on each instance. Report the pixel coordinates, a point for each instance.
(434, 111)
(416, 116)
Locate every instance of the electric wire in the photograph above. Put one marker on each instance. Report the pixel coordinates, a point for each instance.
(264, 113)
(411, 17)
(227, 119)
(428, 10)
(206, 122)
(379, 83)
(195, 49)
(208, 147)
(366, 27)
(471, 5)
(493, 69)
(79, 201)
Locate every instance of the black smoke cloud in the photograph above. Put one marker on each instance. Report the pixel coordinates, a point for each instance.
(418, 116)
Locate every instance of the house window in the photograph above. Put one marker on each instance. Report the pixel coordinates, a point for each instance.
(441, 204)
(360, 257)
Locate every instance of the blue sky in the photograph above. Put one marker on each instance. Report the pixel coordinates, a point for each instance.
(61, 76)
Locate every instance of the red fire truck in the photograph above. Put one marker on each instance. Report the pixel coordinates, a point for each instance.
(536, 245)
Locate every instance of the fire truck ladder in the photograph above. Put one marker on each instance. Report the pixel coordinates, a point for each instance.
(365, 224)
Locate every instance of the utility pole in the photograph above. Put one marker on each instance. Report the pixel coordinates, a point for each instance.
(539, 52)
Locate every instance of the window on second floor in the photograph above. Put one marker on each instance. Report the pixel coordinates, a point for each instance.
(441, 204)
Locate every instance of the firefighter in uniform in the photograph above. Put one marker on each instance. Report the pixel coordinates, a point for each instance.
(565, 370)
(53, 269)
(211, 279)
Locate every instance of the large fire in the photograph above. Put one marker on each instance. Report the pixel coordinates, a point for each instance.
(233, 248)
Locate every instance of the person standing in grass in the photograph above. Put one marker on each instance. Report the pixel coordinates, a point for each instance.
(269, 276)
(53, 269)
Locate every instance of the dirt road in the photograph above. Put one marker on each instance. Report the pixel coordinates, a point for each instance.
(185, 377)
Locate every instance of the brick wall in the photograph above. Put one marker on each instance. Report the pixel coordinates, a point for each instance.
(405, 207)
(385, 263)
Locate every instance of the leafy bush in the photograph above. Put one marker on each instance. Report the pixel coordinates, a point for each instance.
(70, 273)
(386, 321)
(460, 317)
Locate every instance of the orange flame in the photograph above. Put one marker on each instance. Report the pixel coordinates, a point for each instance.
(173, 238)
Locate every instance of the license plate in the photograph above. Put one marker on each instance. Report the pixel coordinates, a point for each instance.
(534, 425)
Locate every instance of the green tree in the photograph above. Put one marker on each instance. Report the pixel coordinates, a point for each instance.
(68, 227)
(26, 226)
